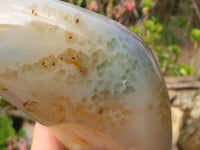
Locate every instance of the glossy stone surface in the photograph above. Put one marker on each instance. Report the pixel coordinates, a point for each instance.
(91, 80)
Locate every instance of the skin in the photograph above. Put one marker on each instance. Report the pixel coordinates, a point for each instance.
(42, 136)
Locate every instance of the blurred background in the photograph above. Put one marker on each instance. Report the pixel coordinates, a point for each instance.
(171, 28)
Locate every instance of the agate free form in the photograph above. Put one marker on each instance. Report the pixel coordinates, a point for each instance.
(91, 81)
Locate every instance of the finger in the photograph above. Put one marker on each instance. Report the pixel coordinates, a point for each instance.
(43, 139)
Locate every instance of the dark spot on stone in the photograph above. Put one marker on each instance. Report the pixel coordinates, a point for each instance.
(129, 89)
(77, 20)
(136, 62)
(61, 108)
(100, 66)
(73, 58)
(105, 93)
(124, 77)
(4, 89)
(94, 97)
(33, 10)
(30, 105)
(53, 64)
(118, 85)
(44, 64)
(101, 111)
(70, 37)
(127, 71)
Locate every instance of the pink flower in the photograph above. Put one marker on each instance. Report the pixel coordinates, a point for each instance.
(10, 147)
(93, 6)
(125, 5)
(118, 15)
(22, 147)
(129, 5)
(22, 144)
(90, 8)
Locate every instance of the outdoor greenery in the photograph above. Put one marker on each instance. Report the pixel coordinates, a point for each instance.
(198, 77)
(167, 55)
(10, 139)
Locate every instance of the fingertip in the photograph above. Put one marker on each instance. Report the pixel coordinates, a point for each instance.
(43, 139)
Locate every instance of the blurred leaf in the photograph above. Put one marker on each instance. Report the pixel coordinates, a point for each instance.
(183, 71)
(180, 22)
(5, 122)
(195, 35)
(164, 54)
(136, 29)
(155, 37)
(79, 2)
(175, 49)
(198, 77)
(155, 19)
(3, 102)
(147, 3)
(158, 28)
(4, 134)
(149, 25)
(21, 133)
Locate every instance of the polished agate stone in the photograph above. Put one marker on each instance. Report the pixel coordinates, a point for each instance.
(95, 84)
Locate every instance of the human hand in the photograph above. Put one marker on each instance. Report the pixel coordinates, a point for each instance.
(43, 139)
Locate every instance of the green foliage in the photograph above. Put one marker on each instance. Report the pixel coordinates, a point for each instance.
(170, 35)
(149, 25)
(153, 31)
(79, 2)
(183, 69)
(6, 127)
(195, 35)
(6, 130)
(3, 102)
(175, 49)
(167, 55)
(136, 29)
(155, 19)
(147, 3)
(180, 22)
(21, 133)
(198, 77)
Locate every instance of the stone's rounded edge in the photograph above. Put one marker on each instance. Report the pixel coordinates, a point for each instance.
(143, 45)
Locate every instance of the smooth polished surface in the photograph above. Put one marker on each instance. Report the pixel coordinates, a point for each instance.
(93, 82)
